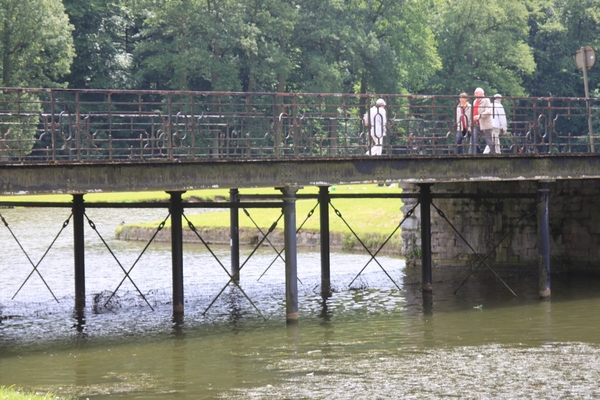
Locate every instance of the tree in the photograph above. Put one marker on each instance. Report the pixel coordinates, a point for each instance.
(193, 45)
(35, 42)
(482, 44)
(36, 49)
(558, 28)
(269, 55)
(103, 38)
(384, 46)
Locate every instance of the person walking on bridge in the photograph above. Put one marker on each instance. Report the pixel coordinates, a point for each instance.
(498, 122)
(376, 118)
(482, 122)
(463, 121)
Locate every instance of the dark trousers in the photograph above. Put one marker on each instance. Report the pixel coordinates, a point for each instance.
(474, 143)
(459, 140)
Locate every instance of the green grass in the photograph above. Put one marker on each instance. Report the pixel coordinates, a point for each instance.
(373, 220)
(377, 216)
(365, 216)
(11, 393)
(132, 197)
(119, 197)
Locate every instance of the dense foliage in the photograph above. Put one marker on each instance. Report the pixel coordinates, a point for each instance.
(516, 47)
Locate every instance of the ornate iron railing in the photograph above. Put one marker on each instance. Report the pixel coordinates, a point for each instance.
(73, 126)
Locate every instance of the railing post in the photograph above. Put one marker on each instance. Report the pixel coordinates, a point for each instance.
(170, 127)
(543, 238)
(79, 251)
(325, 250)
(291, 267)
(425, 200)
(332, 142)
(176, 209)
(77, 128)
(234, 229)
(53, 136)
(277, 124)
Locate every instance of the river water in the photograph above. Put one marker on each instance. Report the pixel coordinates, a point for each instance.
(366, 341)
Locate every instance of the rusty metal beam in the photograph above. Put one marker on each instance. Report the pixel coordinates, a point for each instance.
(175, 176)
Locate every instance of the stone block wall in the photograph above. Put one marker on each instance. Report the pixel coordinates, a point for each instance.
(484, 222)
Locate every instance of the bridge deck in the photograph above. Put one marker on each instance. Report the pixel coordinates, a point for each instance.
(110, 177)
(70, 141)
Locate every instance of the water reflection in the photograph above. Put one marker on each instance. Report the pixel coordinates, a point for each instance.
(372, 341)
(79, 317)
(178, 326)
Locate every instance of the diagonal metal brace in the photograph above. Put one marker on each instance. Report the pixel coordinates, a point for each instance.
(193, 229)
(35, 266)
(526, 214)
(263, 234)
(93, 226)
(406, 216)
(158, 229)
(441, 214)
(310, 213)
(339, 214)
(271, 229)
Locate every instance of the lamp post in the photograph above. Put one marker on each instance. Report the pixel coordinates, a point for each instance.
(585, 59)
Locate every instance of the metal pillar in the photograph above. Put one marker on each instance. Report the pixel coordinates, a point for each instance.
(79, 251)
(176, 209)
(425, 200)
(291, 267)
(234, 229)
(543, 238)
(325, 250)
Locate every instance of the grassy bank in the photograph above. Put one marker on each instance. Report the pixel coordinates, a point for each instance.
(120, 197)
(363, 215)
(10, 393)
(372, 219)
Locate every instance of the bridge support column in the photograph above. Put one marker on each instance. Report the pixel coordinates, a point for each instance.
(543, 238)
(79, 251)
(234, 232)
(176, 209)
(425, 200)
(325, 250)
(291, 267)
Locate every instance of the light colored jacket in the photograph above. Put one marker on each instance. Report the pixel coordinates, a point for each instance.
(376, 118)
(468, 113)
(499, 116)
(485, 112)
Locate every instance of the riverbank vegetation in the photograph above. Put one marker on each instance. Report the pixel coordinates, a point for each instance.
(387, 46)
(373, 219)
(12, 393)
(370, 215)
(375, 215)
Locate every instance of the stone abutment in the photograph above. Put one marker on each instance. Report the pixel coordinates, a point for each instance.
(504, 228)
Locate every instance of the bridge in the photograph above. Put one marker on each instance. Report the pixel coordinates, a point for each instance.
(83, 141)
(67, 141)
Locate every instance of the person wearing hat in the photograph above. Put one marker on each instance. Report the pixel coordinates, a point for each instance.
(498, 123)
(376, 118)
(463, 121)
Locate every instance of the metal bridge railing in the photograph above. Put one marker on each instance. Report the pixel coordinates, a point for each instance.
(73, 126)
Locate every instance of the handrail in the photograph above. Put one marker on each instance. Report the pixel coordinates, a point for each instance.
(66, 126)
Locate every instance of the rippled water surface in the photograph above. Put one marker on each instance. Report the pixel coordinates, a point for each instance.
(366, 341)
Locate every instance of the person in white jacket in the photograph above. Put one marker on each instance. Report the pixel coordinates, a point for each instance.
(498, 123)
(376, 118)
